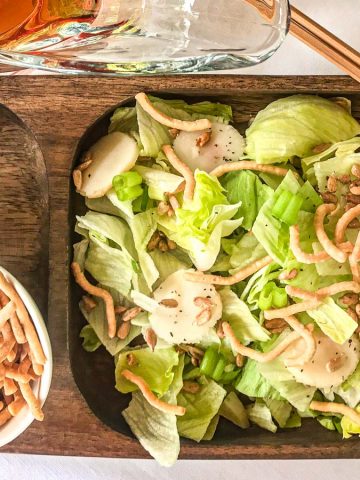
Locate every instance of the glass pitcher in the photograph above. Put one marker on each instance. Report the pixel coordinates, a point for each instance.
(140, 36)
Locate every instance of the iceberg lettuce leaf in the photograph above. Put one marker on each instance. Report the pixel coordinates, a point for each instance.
(333, 321)
(142, 226)
(246, 187)
(201, 408)
(260, 414)
(253, 384)
(124, 120)
(156, 430)
(156, 368)
(199, 224)
(293, 126)
(245, 326)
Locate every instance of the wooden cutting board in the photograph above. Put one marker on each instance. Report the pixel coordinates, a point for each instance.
(57, 110)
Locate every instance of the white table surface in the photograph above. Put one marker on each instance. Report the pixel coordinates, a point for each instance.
(342, 18)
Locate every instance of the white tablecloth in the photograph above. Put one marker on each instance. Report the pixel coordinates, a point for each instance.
(341, 17)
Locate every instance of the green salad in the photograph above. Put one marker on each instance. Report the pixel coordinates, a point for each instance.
(220, 270)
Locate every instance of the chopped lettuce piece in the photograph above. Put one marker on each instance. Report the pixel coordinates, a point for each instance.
(222, 264)
(294, 421)
(156, 430)
(297, 394)
(201, 407)
(98, 320)
(153, 135)
(91, 341)
(124, 207)
(349, 428)
(167, 263)
(293, 126)
(280, 410)
(199, 224)
(260, 414)
(339, 150)
(271, 233)
(215, 112)
(311, 199)
(257, 283)
(281, 379)
(80, 250)
(326, 422)
(210, 432)
(103, 205)
(246, 251)
(329, 267)
(233, 410)
(156, 368)
(124, 120)
(159, 181)
(339, 165)
(110, 267)
(109, 227)
(253, 384)
(246, 328)
(245, 187)
(142, 226)
(333, 321)
(349, 391)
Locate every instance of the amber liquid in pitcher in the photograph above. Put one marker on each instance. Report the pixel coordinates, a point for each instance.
(27, 24)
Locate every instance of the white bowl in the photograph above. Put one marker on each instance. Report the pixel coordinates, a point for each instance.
(18, 424)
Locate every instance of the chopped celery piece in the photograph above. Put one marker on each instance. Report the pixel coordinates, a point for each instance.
(209, 362)
(127, 186)
(219, 369)
(279, 297)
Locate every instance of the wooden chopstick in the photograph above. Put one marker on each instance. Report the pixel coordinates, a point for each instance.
(316, 37)
(325, 43)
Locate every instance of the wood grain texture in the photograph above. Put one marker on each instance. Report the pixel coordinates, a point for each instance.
(58, 110)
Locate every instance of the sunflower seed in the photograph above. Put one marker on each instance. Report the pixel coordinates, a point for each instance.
(169, 302)
(131, 360)
(154, 241)
(336, 362)
(150, 338)
(349, 298)
(162, 208)
(89, 303)
(275, 325)
(239, 360)
(131, 313)
(331, 184)
(355, 170)
(328, 197)
(321, 148)
(190, 387)
(124, 330)
(288, 275)
(203, 139)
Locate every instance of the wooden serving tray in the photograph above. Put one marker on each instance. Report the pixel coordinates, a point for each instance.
(56, 111)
